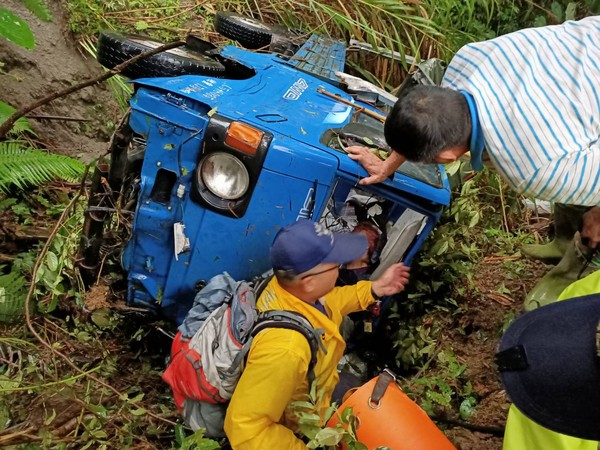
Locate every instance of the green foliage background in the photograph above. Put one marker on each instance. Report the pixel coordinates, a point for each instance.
(481, 209)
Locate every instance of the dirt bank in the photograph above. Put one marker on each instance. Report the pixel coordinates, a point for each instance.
(56, 62)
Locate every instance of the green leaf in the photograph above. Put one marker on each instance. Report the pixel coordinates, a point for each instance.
(23, 166)
(557, 10)
(179, 434)
(329, 436)
(571, 11)
(540, 21)
(20, 126)
(329, 413)
(39, 8)
(50, 418)
(52, 261)
(311, 419)
(302, 404)
(15, 29)
(467, 407)
(346, 414)
(138, 398)
(141, 25)
(443, 248)
(98, 409)
(593, 5)
(139, 412)
(474, 220)
(7, 203)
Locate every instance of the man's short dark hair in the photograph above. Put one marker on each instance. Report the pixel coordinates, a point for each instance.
(426, 121)
(285, 277)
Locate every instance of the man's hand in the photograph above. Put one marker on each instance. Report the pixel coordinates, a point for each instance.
(590, 233)
(378, 170)
(370, 162)
(392, 281)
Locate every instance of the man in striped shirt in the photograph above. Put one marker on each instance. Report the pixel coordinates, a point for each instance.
(527, 102)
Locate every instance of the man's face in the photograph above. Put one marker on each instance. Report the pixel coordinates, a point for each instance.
(321, 278)
(450, 155)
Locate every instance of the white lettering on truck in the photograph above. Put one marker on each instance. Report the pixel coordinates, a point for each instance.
(296, 90)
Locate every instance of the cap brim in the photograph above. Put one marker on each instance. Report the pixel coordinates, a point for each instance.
(347, 247)
(560, 388)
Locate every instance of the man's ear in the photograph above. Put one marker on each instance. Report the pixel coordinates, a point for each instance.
(308, 284)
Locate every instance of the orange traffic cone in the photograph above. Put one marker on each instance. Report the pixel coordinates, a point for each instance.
(387, 417)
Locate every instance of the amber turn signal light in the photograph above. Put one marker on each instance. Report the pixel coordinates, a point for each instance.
(243, 137)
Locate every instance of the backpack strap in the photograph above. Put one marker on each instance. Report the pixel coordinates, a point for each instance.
(261, 283)
(290, 320)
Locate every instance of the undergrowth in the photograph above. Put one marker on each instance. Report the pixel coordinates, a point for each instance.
(48, 402)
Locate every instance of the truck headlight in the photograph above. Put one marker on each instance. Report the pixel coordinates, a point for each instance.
(224, 175)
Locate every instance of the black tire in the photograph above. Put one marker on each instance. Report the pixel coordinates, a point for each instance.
(114, 48)
(249, 32)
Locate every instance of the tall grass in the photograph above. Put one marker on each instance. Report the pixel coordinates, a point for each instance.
(419, 28)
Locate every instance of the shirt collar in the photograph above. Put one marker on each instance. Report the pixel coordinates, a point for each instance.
(476, 144)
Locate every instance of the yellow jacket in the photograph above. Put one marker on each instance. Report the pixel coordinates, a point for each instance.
(258, 417)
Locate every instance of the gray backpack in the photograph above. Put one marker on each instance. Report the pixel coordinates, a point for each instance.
(208, 353)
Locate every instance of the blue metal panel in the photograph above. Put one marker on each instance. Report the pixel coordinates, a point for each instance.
(321, 56)
(277, 90)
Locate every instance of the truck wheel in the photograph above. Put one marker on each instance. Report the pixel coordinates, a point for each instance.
(114, 48)
(249, 32)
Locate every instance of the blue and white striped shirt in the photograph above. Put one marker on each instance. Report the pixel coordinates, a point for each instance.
(537, 95)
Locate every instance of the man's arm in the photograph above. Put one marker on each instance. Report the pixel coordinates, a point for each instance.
(277, 364)
(378, 170)
(348, 299)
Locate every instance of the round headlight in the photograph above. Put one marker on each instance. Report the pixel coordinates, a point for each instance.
(224, 175)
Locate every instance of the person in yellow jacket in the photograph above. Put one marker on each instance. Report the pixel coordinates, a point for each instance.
(305, 258)
(523, 433)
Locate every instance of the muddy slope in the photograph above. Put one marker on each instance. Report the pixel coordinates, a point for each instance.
(56, 62)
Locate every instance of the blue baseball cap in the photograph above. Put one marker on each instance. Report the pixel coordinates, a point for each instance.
(302, 245)
(549, 362)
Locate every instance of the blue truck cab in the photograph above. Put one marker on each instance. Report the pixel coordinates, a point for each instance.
(227, 161)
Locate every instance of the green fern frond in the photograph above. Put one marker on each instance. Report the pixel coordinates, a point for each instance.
(21, 166)
(39, 8)
(12, 296)
(20, 126)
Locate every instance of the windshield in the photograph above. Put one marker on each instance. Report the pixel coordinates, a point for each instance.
(367, 131)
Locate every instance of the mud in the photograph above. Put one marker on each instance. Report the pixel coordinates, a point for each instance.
(57, 61)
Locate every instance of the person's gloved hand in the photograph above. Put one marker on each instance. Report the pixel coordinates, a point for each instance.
(590, 232)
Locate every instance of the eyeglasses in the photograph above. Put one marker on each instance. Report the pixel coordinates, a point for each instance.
(322, 271)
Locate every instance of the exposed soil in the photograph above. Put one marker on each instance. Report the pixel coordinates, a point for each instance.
(486, 311)
(56, 62)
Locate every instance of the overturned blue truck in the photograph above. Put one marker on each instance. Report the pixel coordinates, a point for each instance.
(224, 146)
